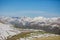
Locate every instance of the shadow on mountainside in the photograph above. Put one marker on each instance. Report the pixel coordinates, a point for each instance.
(49, 29)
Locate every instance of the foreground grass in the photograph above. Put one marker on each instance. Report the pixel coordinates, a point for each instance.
(24, 34)
(21, 35)
(28, 34)
(48, 38)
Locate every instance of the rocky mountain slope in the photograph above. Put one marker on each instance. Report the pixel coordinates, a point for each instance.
(47, 24)
(7, 30)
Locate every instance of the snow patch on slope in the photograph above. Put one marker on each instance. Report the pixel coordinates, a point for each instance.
(6, 30)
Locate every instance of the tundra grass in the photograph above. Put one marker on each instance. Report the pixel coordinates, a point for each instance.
(24, 34)
(48, 38)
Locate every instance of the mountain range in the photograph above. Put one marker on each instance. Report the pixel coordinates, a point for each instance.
(7, 25)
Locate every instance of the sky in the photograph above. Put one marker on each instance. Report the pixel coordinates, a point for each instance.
(30, 8)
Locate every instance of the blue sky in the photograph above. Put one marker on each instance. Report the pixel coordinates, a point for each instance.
(31, 8)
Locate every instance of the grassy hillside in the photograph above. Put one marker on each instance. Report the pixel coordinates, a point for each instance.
(33, 33)
(48, 38)
(25, 34)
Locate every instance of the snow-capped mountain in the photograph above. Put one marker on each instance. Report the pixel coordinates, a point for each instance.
(36, 23)
(7, 30)
(27, 20)
(42, 23)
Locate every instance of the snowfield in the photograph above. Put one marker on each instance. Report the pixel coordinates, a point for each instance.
(6, 30)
